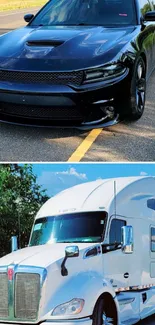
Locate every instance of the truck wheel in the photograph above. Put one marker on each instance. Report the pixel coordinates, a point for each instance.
(104, 313)
(135, 103)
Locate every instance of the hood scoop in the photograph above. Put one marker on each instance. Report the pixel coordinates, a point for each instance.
(44, 43)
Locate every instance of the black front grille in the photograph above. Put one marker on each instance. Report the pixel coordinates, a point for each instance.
(41, 112)
(54, 78)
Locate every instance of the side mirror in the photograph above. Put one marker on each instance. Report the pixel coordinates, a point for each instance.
(149, 16)
(72, 251)
(14, 244)
(127, 239)
(28, 17)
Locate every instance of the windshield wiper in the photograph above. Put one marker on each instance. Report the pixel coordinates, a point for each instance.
(85, 24)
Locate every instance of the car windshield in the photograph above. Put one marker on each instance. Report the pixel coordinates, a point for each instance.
(86, 12)
(69, 228)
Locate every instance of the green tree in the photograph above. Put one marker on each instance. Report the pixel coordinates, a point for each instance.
(148, 7)
(20, 199)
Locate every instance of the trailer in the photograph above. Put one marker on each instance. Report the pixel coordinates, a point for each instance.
(90, 258)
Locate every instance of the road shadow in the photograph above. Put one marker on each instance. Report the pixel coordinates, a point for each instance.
(147, 321)
(21, 143)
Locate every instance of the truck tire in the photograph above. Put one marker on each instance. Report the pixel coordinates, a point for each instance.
(135, 103)
(105, 313)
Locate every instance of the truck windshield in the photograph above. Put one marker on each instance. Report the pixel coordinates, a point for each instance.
(69, 228)
(86, 12)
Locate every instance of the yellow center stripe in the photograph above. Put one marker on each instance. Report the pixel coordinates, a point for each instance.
(85, 145)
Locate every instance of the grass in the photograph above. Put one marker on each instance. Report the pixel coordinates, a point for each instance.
(20, 4)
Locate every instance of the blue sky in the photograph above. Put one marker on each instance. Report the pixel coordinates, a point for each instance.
(57, 177)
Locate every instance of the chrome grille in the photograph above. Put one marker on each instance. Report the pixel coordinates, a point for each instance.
(4, 308)
(27, 295)
(54, 78)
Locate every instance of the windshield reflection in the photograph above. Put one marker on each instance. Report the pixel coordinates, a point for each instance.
(86, 12)
(69, 228)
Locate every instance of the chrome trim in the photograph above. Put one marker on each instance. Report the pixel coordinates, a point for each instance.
(11, 283)
(135, 288)
(103, 101)
(11, 292)
(70, 320)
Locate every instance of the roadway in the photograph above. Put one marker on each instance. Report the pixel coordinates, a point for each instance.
(123, 142)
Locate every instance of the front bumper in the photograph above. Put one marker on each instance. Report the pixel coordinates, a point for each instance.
(84, 321)
(87, 106)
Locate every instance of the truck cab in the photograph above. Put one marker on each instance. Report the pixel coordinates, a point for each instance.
(90, 259)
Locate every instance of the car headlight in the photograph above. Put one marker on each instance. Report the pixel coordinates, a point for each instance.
(72, 307)
(103, 73)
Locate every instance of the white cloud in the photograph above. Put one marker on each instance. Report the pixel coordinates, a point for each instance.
(143, 173)
(72, 172)
(55, 182)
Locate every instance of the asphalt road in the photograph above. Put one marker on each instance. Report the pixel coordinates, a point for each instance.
(123, 142)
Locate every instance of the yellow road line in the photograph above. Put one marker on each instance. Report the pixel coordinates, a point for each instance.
(79, 153)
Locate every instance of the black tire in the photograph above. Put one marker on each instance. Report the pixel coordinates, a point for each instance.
(105, 313)
(135, 103)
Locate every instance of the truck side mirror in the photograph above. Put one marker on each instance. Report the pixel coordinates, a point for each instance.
(14, 244)
(127, 239)
(72, 251)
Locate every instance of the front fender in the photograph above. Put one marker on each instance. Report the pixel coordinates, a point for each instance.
(88, 285)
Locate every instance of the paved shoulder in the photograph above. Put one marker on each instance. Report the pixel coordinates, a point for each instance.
(14, 19)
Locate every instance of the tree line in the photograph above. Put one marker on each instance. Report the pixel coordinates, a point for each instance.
(20, 199)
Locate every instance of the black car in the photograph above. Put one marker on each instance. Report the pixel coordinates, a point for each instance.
(79, 63)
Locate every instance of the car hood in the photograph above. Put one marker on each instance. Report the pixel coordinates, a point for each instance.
(40, 256)
(61, 48)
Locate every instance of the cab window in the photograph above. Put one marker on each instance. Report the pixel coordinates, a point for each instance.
(115, 233)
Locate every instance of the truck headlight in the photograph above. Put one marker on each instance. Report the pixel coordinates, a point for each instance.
(103, 73)
(72, 307)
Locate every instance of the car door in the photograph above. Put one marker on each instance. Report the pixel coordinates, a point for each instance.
(147, 36)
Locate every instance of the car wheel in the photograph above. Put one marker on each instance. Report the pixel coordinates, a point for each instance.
(104, 314)
(135, 104)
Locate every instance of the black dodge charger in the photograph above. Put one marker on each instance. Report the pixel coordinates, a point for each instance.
(78, 63)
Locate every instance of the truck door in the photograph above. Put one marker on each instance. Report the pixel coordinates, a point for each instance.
(116, 264)
(148, 267)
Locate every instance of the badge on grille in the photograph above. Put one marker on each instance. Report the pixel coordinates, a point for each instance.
(10, 274)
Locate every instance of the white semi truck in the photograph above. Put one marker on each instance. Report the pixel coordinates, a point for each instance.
(90, 260)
